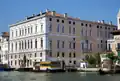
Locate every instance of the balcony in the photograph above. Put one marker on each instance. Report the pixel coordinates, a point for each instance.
(86, 50)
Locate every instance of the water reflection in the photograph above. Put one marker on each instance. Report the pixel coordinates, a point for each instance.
(80, 76)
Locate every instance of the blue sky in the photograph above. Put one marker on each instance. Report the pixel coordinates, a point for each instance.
(15, 10)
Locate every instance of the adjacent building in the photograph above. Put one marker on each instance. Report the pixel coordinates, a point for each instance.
(114, 44)
(53, 36)
(4, 40)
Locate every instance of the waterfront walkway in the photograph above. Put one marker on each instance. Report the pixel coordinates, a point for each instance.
(88, 69)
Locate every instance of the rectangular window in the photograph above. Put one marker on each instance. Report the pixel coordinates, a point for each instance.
(12, 46)
(31, 30)
(16, 33)
(16, 45)
(11, 62)
(101, 45)
(15, 62)
(90, 32)
(50, 53)
(35, 43)
(69, 44)
(69, 54)
(109, 47)
(106, 34)
(30, 62)
(25, 31)
(91, 46)
(31, 43)
(41, 27)
(19, 62)
(50, 27)
(57, 54)
(86, 33)
(98, 45)
(73, 30)
(22, 32)
(63, 29)
(28, 30)
(74, 45)
(40, 54)
(74, 55)
(101, 33)
(69, 29)
(35, 54)
(118, 45)
(97, 32)
(41, 42)
(58, 28)
(28, 44)
(58, 42)
(25, 44)
(82, 46)
(63, 54)
(12, 33)
(35, 28)
(62, 44)
(82, 32)
(50, 44)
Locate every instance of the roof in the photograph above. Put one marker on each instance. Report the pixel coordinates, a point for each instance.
(99, 23)
(116, 32)
(50, 13)
(5, 34)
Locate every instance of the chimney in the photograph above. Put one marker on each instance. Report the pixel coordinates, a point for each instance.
(65, 15)
(98, 21)
(40, 12)
(33, 15)
(102, 22)
(53, 13)
(47, 10)
(26, 17)
(110, 22)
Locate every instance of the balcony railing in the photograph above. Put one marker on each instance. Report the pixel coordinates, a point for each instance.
(86, 50)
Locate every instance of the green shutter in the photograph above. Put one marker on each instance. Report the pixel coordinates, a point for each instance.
(119, 53)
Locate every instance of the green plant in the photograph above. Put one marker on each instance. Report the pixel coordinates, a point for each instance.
(112, 57)
(90, 59)
(98, 59)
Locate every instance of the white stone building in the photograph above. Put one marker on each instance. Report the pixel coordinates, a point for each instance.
(4, 48)
(50, 36)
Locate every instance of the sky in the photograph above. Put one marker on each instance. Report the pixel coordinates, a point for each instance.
(12, 11)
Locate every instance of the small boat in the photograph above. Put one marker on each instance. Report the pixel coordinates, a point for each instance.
(48, 66)
(5, 67)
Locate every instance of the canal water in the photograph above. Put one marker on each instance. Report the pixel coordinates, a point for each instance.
(79, 76)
